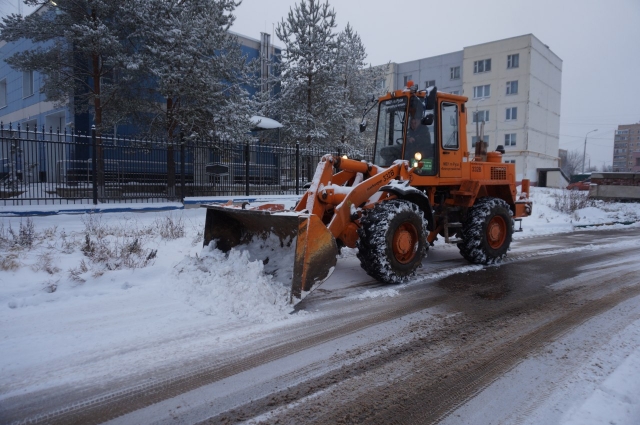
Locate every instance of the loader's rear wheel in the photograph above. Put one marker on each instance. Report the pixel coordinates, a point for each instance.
(486, 234)
(392, 240)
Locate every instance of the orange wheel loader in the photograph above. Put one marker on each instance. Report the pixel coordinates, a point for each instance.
(423, 183)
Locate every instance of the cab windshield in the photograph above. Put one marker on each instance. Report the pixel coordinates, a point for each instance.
(419, 148)
(396, 119)
(391, 124)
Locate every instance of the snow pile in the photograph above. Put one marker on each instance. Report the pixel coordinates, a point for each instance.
(546, 219)
(69, 259)
(232, 286)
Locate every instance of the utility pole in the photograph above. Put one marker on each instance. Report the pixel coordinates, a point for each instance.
(584, 153)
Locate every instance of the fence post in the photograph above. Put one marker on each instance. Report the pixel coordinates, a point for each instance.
(246, 168)
(94, 164)
(297, 168)
(182, 178)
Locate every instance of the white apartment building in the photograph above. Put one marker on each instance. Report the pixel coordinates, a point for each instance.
(626, 148)
(513, 86)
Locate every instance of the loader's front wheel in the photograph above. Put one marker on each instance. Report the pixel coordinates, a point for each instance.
(486, 233)
(392, 240)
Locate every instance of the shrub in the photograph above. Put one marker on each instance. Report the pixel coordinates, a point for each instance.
(45, 262)
(170, 227)
(568, 201)
(25, 237)
(9, 262)
(113, 247)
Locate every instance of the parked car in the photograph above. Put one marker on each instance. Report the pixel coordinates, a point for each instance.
(581, 185)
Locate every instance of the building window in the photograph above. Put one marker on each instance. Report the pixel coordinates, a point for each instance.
(482, 66)
(27, 83)
(429, 83)
(474, 139)
(512, 87)
(510, 139)
(482, 91)
(407, 78)
(637, 162)
(481, 116)
(512, 114)
(455, 72)
(3, 93)
(513, 61)
(510, 161)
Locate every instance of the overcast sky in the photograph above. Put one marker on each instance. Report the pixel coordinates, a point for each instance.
(597, 40)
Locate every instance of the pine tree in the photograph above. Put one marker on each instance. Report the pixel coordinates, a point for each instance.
(360, 84)
(81, 49)
(325, 83)
(309, 93)
(197, 67)
(169, 64)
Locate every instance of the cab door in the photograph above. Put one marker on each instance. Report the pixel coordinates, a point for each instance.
(450, 151)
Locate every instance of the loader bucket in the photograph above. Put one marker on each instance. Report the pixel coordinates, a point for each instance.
(297, 249)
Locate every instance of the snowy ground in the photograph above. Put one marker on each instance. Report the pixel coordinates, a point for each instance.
(81, 294)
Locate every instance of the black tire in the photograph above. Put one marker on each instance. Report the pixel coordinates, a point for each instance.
(395, 223)
(487, 231)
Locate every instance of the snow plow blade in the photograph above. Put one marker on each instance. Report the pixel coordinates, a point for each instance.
(293, 247)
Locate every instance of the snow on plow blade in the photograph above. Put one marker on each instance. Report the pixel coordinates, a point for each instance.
(312, 246)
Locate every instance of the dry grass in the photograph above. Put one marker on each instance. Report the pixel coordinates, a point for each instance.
(568, 201)
(45, 263)
(105, 245)
(9, 262)
(170, 227)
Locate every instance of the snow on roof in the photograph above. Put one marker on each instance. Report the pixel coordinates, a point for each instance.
(264, 123)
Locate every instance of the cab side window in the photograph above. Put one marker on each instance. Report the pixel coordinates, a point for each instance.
(449, 114)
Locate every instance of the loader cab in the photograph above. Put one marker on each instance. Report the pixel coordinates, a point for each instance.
(419, 147)
(406, 131)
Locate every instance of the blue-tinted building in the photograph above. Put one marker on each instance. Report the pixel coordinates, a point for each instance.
(22, 103)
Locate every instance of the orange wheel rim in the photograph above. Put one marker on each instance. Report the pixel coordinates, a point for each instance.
(496, 232)
(404, 241)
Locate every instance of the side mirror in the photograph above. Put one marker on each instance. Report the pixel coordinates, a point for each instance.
(363, 125)
(427, 119)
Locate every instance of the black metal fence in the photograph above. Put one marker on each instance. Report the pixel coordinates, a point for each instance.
(47, 167)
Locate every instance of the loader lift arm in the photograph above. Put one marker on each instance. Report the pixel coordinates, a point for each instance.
(331, 196)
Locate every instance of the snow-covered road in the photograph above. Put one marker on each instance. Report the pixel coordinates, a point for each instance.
(80, 328)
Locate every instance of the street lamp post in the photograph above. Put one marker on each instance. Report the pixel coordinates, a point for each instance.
(584, 153)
